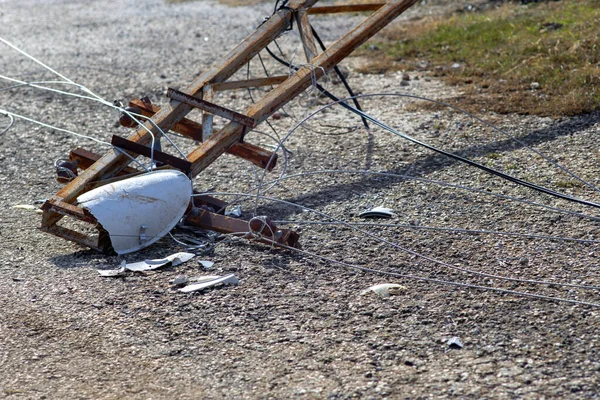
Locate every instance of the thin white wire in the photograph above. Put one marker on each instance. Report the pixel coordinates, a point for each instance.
(414, 253)
(443, 229)
(94, 97)
(441, 183)
(434, 280)
(6, 42)
(11, 122)
(291, 131)
(15, 115)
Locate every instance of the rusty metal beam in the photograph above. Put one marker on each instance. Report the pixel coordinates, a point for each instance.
(345, 8)
(220, 223)
(306, 35)
(249, 83)
(210, 150)
(230, 135)
(207, 94)
(182, 165)
(70, 210)
(74, 236)
(211, 108)
(169, 115)
(185, 127)
(84, 159)
(249, 152)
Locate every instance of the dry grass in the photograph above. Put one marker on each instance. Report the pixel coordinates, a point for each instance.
(539, 59)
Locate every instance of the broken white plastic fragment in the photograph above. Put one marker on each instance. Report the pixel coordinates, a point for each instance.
(383, 289)
(234, 212)
(206, 264)
(28, 207)
(226, 280)
(138, 211)
(455, 343)
(180, 280)
(377, 212)
(112, 273)
(147, 265)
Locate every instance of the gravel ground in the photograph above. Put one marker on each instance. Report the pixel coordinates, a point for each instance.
(297, 325)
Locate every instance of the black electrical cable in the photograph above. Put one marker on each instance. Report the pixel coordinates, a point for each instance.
(440, 151)
(343, 79)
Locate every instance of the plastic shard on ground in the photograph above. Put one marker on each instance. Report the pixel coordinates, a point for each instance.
(180, 280)
(216, 280)
(377, 212)
(455, 343)
(28, 207)
(383, 289)
(147, 265)
(234, 212)
(113, 273)
(206, 264)
(138, 211)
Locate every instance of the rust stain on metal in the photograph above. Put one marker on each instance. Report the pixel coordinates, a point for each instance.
(249, 152)
(97, 170)
(211, 108)
(345, 8)
(220, 223)
(182, 165)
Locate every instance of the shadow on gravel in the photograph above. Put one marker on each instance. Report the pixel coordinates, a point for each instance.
(426, 165)
(86, 259)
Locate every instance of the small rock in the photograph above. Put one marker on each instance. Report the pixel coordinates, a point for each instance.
(524, 261)
(534, 85)
(276, 116)
(404, 83)
(373, 47)
(455, 66)
(405, 77)
(423, 65)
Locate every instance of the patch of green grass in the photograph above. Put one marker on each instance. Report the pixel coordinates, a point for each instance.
(540, 59)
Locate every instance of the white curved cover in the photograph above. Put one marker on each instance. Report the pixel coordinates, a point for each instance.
(156, 200)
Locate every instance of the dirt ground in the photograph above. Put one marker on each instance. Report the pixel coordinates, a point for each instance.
(297, 325)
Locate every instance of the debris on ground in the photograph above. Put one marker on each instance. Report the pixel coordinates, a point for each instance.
(113, 273)
(138, 211)
(378, 212)
(180, 281)
(209, 281)
(28, 207)
(234, 212)
(454, 343)
(384, 289)
(147, 265)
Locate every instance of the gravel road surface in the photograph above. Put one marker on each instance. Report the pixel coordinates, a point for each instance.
(297, 325)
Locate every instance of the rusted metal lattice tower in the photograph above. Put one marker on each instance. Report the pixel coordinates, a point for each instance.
(114, 165)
